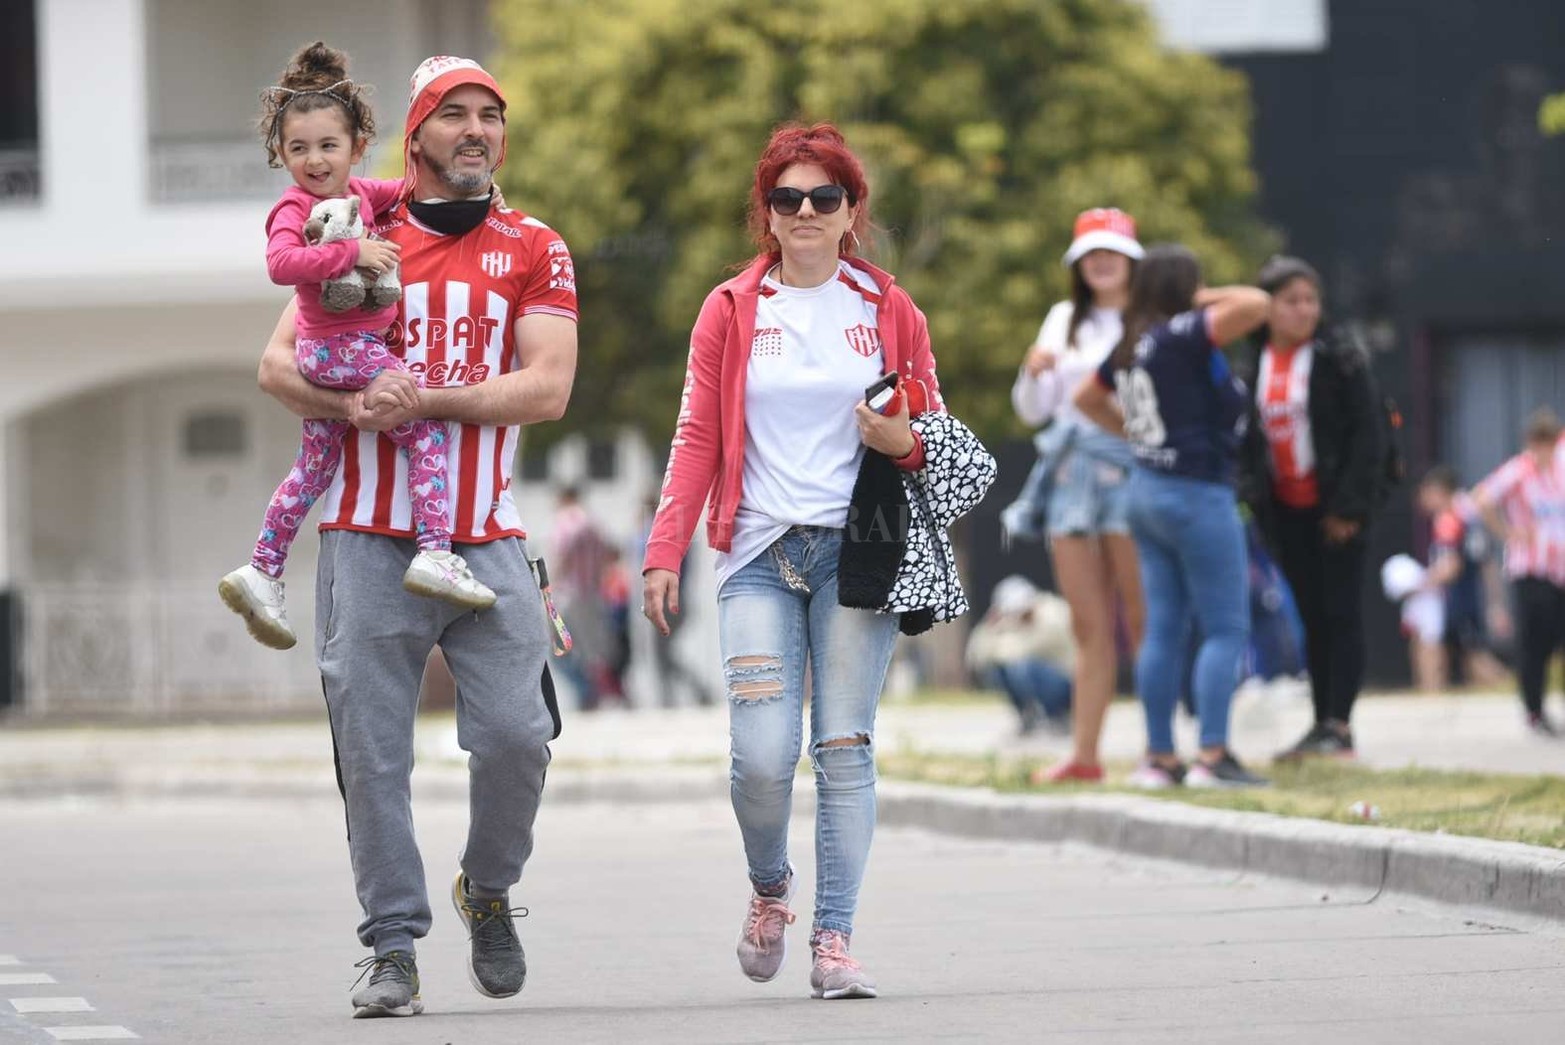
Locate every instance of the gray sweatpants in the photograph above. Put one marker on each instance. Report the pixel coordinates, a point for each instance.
(371, 641)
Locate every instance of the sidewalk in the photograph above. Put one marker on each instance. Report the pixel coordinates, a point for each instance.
(1466, 732)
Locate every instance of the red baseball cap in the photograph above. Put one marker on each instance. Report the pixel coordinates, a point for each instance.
(1104, 228)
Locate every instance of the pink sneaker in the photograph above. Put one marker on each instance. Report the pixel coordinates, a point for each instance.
(762, 946)
(835, 974)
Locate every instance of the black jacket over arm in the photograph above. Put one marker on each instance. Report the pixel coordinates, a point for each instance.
(1345, 424)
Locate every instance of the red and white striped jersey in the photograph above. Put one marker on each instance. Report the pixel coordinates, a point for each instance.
(1282, 390)
(461, 298)
(1532, 501)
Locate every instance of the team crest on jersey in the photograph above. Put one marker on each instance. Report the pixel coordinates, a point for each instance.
(863, 339)
(495, 262)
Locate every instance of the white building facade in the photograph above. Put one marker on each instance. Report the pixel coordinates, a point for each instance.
(134, 304)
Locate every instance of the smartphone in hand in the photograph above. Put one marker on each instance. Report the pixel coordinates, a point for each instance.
(882, 396)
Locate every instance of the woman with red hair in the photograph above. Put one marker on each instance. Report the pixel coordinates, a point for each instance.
(772, 429)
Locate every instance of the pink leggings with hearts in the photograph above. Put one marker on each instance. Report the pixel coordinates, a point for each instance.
(351, 362)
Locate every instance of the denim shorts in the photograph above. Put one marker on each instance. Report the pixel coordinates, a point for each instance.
(1088, 497)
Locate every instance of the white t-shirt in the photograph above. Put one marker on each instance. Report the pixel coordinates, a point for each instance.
(814, 352)
(1037, 399)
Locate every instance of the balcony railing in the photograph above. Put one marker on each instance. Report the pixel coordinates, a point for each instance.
(210, 169)
(19, 178)
(213, 169)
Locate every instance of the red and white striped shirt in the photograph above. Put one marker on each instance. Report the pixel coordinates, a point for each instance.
(461, 297)
(1532, 499)
(1283, 395)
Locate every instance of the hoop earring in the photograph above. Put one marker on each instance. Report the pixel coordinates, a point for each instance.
(854, 247)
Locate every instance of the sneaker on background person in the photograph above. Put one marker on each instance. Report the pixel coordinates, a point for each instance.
(392, 989)
(1539, 725)
(1222, 773)
(1069, 771)
(496, 964)
(1152, 775)
(1324, 740)
(835, 974)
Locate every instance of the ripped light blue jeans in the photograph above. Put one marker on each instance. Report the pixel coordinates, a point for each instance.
(777, 616)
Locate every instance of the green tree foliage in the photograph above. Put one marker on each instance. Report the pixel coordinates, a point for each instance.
(1551, 114)
(985, 125)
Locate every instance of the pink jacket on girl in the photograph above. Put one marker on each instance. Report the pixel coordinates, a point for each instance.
(706, 458)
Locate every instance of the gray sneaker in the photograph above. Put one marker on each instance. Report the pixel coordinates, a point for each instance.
(835, 974)
(1226, 772)
(496, 966)
(393, 986)
(763, 947)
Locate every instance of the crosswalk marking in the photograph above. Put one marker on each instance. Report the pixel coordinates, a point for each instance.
(90, 1033)
(57, 1004)
(51, 1005)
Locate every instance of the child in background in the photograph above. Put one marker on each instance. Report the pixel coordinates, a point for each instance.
(1407, 583)
(317, 125)
(1463, 566)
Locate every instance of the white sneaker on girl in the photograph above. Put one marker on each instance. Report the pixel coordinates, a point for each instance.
(444, 575)
(259, 600)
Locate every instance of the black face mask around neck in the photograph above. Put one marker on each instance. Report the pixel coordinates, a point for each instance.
(452, 217)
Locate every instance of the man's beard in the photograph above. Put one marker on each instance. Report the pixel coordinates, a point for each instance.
(466, 183)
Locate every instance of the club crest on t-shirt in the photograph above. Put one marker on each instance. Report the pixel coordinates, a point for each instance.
(864, 339)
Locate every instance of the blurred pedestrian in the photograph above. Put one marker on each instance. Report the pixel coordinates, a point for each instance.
(1314, 475)
(615, 594)
(773, 425)
(1168, 388)
(1463, 567)
(579, 555)
(1023, 645)
(670, 673)
(1523, 501)
(1082, 473)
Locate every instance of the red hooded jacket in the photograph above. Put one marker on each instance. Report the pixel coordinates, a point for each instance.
(706, 458)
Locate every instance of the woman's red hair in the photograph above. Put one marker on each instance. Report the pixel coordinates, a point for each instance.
(824, 146)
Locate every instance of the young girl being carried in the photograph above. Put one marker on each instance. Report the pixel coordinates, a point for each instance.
(316, 124)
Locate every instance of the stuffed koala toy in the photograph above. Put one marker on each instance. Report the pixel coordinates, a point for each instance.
(335, 219)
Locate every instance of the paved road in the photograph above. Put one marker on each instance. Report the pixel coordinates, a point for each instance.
(230, 921)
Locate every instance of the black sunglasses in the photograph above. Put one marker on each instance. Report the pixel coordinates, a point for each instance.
(824, 198)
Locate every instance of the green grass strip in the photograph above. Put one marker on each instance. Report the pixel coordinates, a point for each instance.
(1528, 809)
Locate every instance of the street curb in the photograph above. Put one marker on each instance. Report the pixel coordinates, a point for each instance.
(1466, 872)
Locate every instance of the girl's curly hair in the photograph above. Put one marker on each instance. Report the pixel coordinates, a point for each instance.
(316, 78)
